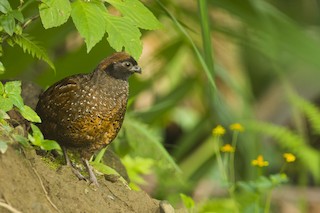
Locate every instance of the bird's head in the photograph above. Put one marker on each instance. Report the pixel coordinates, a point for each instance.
(119, 65)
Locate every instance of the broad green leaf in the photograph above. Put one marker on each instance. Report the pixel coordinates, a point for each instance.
(29, 114)
(3, 147)
(8, 23)
(54, 13)
(5, 6)
(122, 33)
(17, 15)
(36, 132)
(1, 88)
(2, 68)
(88, 18)
(17, 100)
(36, 138)
(13, 88)
(137, 12)
(31, 47)
(35, 141)
(50, 145)
(5, 104)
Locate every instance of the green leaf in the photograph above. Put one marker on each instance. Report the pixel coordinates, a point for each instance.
(100, 155)
(122, 33)
(1, 88)
(88, 18)
(291, 141)
(31, 47)
(187, 201)
(8, 23)
(137, 167)
(4, 115)
(29, 114)
(3, 147)
(136, 12)
(22, 140)
(2, 68)
(5, 6)
(311, 111)
(17, 15)
(13, 88)
(36, 132)
(36, 138)
(54, 13)
(5, 104)
(50, 145)
(146, 144)
(17, 100)
(107, 170)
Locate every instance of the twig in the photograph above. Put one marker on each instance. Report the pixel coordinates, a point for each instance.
(44, 189)
(10, 208)
(30, 20)
(24, 25)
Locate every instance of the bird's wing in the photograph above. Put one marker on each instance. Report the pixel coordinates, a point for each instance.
(57, 98)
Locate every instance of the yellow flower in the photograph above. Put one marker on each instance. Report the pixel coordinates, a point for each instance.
(289, 157)
(237, 127)
(260, 162)
(227, 148)
(218, 131)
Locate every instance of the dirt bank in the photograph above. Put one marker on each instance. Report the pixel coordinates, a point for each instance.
(28, 184)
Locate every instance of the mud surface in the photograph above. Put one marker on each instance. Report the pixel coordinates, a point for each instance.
(29, 184)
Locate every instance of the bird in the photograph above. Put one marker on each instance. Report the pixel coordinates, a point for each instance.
(84, 112)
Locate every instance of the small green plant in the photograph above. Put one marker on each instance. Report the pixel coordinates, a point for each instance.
(137, 167)
(188, 202)
(11, 100)
(244, 196)
(37, 139)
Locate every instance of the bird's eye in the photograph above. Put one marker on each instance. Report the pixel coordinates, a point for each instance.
(127, 64)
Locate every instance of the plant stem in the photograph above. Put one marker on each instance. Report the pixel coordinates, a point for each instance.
(268, 202)
(25, 5)
(234, 144)
(219, 159)
(199, 56)
(206, 35)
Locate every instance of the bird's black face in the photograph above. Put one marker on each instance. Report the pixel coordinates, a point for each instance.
(123, 69)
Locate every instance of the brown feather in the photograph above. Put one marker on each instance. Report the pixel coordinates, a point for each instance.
(85, 112)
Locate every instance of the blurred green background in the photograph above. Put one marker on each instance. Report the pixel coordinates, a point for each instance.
(258, 52)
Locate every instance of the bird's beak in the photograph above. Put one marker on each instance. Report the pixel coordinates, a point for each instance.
(136, 69)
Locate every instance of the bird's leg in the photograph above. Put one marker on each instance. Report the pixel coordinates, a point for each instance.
(68, 162)
(92, 177)
(65, 155)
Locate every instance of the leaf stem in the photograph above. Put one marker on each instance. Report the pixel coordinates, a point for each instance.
(199, 56)
(25, 5)
(206, 35)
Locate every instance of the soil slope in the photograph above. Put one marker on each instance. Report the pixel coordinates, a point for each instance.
(28, 184)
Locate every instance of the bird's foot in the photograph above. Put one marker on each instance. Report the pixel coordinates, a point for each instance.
(78, 173)
(69, 163)
(92, 177)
